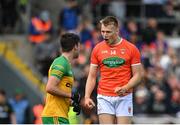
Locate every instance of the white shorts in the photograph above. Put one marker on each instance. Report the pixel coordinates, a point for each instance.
(118, 106)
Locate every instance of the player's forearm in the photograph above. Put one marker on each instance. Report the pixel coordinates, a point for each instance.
(90, 85)
(54, 90)
(134, 81)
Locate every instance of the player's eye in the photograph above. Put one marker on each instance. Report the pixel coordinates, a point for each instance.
(106, 31)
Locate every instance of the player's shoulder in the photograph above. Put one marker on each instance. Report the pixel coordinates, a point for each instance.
(60, 63)
(100, 44)
(61, 60)
(129, 44)
(57, 59)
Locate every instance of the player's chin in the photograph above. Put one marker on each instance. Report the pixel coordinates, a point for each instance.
(107, 41)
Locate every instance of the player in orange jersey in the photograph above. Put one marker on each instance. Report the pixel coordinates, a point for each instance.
(120, 70)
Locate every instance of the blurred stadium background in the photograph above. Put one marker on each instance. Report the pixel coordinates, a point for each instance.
(152, 25)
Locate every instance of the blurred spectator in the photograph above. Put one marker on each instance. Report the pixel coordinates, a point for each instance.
(158, 105)
(169, 14)
(86, 34)
(176, 4)
(148, 77)
(117, 8)
(69, 17)
(133, 8)
(23, 5)
(141, 101)
(175, 101)
(174, 62)
(21, 107)
(7, 115)
(83, 79)
(130, 28)
(40, 28)
(149, 33)
(148, 52)
(161, 93)
(165, 61)
(169, 10)
(23, 16)
(44, 53)
(37, 110)
(77, 68)
(161, 43)
(173, 82)
(96, 34)
(9, 15)
(153, 8)
(84, 54)
(162, 83)
(135, 40)
(162, 47)
(100, 8)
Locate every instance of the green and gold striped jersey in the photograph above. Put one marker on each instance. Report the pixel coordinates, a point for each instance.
(59, 106)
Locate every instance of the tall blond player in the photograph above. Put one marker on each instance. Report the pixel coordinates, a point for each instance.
(120, 70)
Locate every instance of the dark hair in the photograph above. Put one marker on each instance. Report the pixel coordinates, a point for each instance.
(68, 41)
(110, 20)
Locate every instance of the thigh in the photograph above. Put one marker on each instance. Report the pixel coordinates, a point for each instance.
(105, 105)
(54, 120)
(124, 120)
(106, 119)
(124, 106)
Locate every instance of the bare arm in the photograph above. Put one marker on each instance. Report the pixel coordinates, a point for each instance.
(136, 78)
(90, 84)
(52, 88)
(134, 81)
(91, 81)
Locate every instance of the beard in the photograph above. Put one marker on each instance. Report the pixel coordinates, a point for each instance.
(75, 55)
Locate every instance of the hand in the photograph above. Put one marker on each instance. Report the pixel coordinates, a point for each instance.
(76, 97)
(121, 91)
(76, 102)
(89, 103)
(76, 108)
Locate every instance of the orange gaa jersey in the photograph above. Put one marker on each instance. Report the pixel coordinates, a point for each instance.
(115, 65)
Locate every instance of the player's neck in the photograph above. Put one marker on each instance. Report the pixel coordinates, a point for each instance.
(68, 56)
(117, 41)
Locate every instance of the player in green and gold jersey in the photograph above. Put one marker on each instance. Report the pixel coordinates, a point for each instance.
(60, 82)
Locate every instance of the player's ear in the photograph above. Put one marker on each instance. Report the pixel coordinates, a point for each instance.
(75, 47)
(117, 30)
(78, 45)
